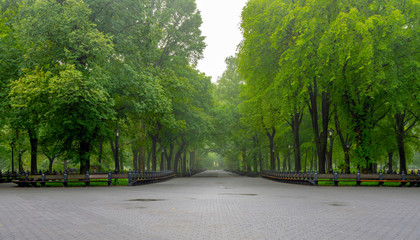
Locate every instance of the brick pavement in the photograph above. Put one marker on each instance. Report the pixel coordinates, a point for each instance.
(212, 205)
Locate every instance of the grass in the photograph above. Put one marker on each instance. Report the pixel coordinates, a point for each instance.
(353, 183)
(119, 182)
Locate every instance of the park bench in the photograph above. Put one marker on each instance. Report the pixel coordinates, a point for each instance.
(26, 179)
(30, 179)
(7, 176)
(138, 178)
(411, 179)
(290, 177)
(314, 178)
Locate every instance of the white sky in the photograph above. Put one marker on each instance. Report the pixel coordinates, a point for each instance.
(221, 19)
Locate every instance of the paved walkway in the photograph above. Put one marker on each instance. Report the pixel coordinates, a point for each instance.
(211, 205)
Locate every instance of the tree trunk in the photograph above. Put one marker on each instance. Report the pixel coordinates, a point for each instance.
(285, 161)
(121, 157)
(272, 151)
(149, 156)
(115, 153)
(390, 155)
(255, 162)
(169, 156)
(192, 160)
(141, 158)
(162, 158)
(244, 158)
(321, 138)
(100, 154)
(135, 152)
(34, 150)
(84, 148)
(178, 156)
(20, 163)
(330, 154)
(345, 144)
(399, 130)
(154, 143)
(296, 120)
(184, 162)
(51, 161)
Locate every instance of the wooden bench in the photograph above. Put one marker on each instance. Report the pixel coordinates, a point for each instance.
(27, 179)
(139, 178)
(336, 178)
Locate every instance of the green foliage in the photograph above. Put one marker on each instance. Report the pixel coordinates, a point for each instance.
(73, 71)
(361, 54)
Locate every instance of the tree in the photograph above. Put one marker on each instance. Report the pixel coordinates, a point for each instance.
(357, 58)
(60, 42)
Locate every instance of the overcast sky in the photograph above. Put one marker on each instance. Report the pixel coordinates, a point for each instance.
(221, 19)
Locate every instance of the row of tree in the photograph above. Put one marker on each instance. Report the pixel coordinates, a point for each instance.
(311, 71)
(111, 80)
(78, 77)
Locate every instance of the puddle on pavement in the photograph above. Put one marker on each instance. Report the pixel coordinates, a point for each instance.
(239, 194)
(146, 200)
(336, 204)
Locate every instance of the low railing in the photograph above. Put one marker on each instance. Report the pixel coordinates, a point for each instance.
(26, 179)
(244, 173)
(7, 176)
(313, 178)
(139, 177)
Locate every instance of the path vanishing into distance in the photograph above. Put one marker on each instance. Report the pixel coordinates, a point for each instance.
(210, 205)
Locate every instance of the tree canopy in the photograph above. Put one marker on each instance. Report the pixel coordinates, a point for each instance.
(107, 84)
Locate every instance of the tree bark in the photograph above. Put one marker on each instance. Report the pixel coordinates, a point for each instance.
(390, 155)
(320, 138)
(51, 161)
(162, 158)
(192, 160)
(184, 161)
(296, 121)
(84, 148)
(135, 151)
(399, 130)
(121, 157)
(244, 158)
(20, 163)
(115, 153)
(169, 156)
(154, 143)
(178, 156)
(141, 158)
(344, 142)
(100, 154)
(33, 139)
(149, 156)
(330, 154)
(285, 161)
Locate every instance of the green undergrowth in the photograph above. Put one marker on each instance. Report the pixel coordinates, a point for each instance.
(366, 184)
(119, 182)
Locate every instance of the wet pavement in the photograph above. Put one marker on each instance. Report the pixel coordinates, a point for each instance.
(210, 205)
